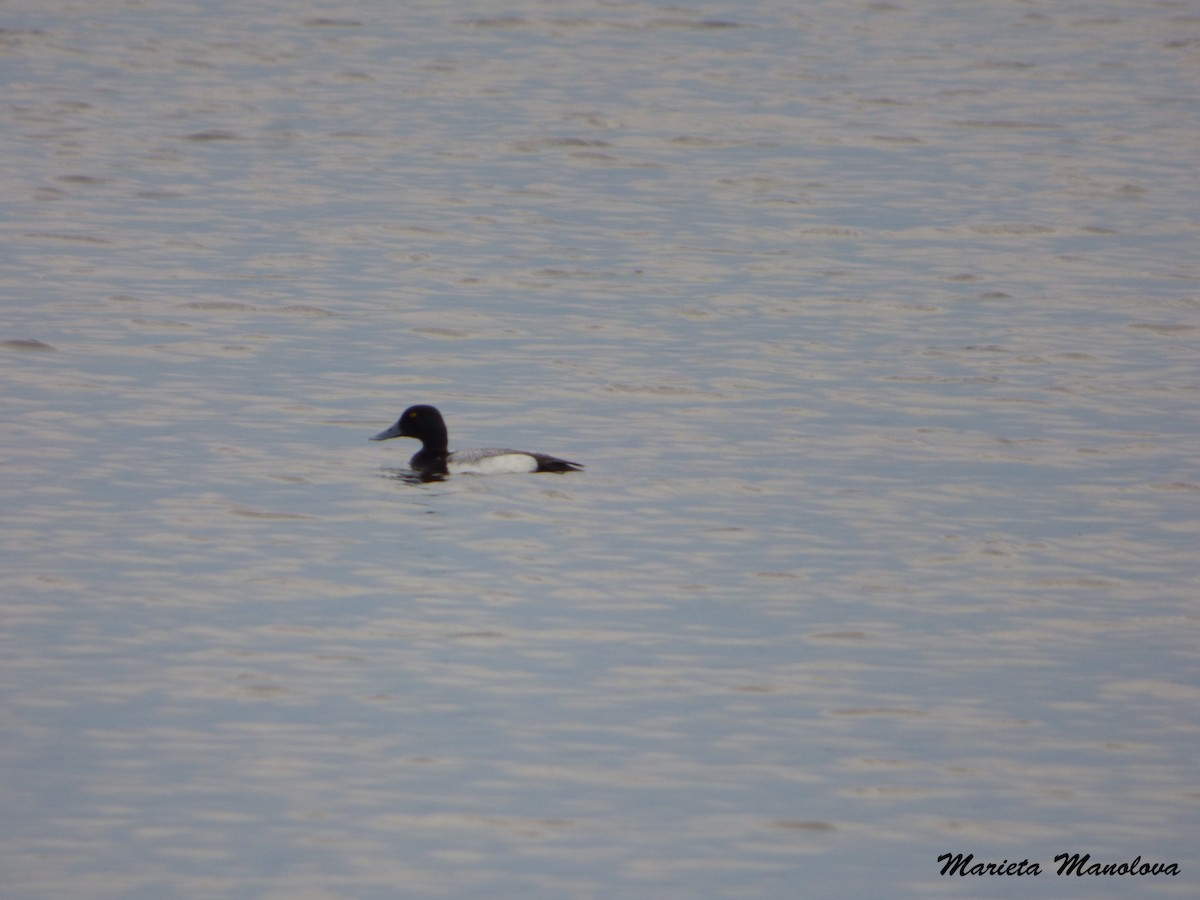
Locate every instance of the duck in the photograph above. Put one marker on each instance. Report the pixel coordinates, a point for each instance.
(425, 423)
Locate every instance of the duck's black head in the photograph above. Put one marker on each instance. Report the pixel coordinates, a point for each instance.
(422, 422)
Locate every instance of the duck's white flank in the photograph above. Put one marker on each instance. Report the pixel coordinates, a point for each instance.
(491, 462)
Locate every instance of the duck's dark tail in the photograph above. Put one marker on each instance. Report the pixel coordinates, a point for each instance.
(554, 464)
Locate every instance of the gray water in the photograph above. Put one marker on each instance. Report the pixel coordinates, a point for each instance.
(874, 324)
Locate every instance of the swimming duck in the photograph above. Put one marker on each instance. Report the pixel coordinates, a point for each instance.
(426, 424)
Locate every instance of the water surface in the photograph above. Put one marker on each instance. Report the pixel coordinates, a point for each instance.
(875, 327)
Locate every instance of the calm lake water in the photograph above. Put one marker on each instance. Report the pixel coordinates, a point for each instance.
(874, 324)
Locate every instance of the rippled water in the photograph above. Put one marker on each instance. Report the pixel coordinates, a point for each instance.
(874, 324)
